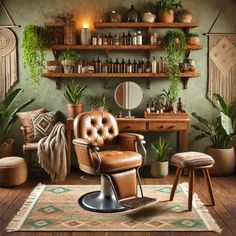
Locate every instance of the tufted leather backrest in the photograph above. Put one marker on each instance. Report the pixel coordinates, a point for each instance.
(97, 126)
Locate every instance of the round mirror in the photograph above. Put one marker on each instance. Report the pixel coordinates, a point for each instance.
(128, 95)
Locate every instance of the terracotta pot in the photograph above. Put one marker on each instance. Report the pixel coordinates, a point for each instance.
(6, 149)
(74, 109)
(159, 169)
(167, 17)
(224, 161)
(193, 40)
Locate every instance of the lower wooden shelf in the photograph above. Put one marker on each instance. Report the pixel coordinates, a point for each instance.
(58, 76)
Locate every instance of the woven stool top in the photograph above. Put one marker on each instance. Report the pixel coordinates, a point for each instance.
(191, 159)
(11, 161)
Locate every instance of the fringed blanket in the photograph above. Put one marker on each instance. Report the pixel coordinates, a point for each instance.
(52, 153)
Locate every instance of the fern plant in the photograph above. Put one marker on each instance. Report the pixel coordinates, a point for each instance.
(35, 41)
(175, 45)
(97, 101)
(74, 92)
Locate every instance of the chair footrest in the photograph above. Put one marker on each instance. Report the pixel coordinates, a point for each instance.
(136, 202)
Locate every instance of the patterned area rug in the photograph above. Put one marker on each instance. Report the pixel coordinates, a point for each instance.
(55, 208)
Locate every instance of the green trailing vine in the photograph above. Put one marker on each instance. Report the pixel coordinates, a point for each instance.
(175, 45)
(35, 41)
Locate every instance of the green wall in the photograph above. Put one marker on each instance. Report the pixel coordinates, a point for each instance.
(194, 98)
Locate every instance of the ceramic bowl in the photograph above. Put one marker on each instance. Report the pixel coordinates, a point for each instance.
(148, 17)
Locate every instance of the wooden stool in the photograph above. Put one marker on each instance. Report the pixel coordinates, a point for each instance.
(13, 171)
(192, 161)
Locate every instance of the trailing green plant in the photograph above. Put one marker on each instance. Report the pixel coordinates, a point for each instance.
(175, 45)
(74, 92)
(35, 41)
(221, 128)
(193, 34)
(70, 55)
(167, 5)
(8, 110)
(161, 148)
(97, 101)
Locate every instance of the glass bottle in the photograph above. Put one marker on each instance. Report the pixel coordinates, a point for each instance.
(117, 66)
(143, 66)
(134, 67)
(109, 39)
(148, 66)
(110, 66)
(179, 106)
(123, 39)
(98, 66)
(93, 64)
(104, 40)
(134, 39)
(129, 39)
(152, 107)
(139, 38)
(148, 108)
(123, 66)
(132, 15)
(139, 67)
(129, 67)
(154, 65)
(99, 40)
(116, 40)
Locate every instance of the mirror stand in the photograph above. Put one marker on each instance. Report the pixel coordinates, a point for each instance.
(129, 114)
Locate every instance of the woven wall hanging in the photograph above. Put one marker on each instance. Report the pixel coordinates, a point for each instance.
(222, 62)
(8, 57)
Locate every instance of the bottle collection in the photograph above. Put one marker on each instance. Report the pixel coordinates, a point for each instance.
(152, 107)
(116, 66)
(129, 39)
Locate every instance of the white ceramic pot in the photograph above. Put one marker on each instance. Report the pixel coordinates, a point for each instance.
(159, 169)
(148, 17)
(224, 161)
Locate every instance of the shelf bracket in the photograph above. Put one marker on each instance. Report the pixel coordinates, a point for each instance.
(148, 83)
(184, 82)
(58, 84)
(106, 83)
(55, 54)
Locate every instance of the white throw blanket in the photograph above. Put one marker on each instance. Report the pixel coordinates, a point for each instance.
(52, 153)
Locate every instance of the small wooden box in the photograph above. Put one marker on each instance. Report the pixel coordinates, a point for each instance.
(167, 115)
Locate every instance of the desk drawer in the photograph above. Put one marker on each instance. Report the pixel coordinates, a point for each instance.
(167, 126)
(132, 126)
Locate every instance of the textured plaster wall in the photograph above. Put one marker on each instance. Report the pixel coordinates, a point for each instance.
(194, 98)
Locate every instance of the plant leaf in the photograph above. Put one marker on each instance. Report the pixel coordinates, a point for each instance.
(221, 103)
(226, 123)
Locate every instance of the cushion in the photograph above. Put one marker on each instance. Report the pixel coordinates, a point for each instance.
(43, 124)
(26, 120)
(115, 161)
(192, 159)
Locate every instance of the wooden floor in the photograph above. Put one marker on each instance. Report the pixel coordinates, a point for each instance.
(11, 199)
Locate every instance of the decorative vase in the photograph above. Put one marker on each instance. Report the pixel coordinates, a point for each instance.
(167, 17)
(85, 36)
(74, 109)
(159, 169)
(224, 161)
(6, 149)
(68, 66)
(132, 15)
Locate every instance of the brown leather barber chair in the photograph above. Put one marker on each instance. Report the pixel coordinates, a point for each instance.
(96, 135)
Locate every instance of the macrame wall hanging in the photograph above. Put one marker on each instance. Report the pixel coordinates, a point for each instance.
(222, 62)
(8, 57)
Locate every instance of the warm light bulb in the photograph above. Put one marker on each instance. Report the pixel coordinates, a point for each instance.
(85, 25)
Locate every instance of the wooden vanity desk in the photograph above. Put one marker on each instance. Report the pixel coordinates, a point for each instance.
(166, 122)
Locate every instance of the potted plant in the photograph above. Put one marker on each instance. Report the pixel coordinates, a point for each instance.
(35, 41)
(220, 130)
(69, 59)
(74, 93)
(159, 167)
(165, 10)
(8, 110)
(97, 102)
(167, 99)
(175, 45)
(193, 39)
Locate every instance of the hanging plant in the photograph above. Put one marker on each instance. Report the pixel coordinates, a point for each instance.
(35, 41)
(175, 45)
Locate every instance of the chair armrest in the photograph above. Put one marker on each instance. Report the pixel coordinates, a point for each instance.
(85, 142)
(22, 128)
(132, 142)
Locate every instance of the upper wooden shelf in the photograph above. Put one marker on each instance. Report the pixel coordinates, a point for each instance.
(116, 47)
(103, 25)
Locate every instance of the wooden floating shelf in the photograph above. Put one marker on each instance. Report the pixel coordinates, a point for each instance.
(101, 25)
(57, 76)
(116, 47)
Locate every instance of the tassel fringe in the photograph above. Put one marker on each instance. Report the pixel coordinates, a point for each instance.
(202, 210)
(21, 215)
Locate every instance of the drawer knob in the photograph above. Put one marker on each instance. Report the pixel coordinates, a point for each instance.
(128, 127)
